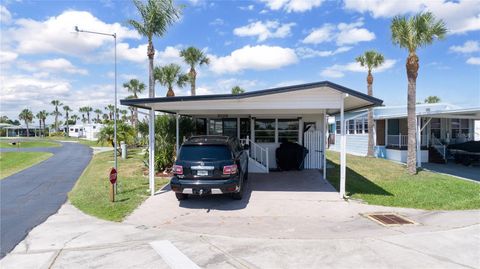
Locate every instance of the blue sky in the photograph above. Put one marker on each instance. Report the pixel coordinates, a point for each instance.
(254, 44)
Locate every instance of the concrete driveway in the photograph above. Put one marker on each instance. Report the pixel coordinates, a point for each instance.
(29, 197)
(279, 225)
(455, 169)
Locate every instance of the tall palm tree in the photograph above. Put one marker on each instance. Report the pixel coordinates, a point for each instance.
(110, 109)
(98, 112)
(432, 99)
(413, 33)
(88, 109)
(156, 17)
(370, 59)
(27, 116)
(169, 75)
(67, 109)
(43, 116)
(39, 117)
(74, 118)
(135, 87)
(193, 57)
(56, 112)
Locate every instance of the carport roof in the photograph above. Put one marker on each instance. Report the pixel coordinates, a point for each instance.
(305, 98)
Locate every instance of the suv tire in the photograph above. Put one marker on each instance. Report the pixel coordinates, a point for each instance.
(181, 196)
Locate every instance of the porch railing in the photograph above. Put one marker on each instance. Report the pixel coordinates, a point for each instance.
(257, 152)
(439, 146)
(402, 140)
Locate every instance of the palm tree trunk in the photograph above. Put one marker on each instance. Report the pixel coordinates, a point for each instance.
(68, 126)
(370, 116)
(56, 120)
(28, 131)
(412, 73)
(193, 77)
(170, 92)
(151, 79)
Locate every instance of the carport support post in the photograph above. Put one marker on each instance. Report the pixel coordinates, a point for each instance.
(151, 152)
(343, 154)
(325, 143)
(177, 131)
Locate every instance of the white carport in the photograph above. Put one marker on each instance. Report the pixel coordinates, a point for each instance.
(313, 100)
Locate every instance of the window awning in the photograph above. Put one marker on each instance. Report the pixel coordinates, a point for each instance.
(311, 98)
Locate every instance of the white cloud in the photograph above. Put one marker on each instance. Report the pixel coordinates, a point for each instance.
(56, 34)
(5, 16)
(259, 57)
(61, 65)
(473, 60)
(139, 54)
(460, 17)
(468, 47)
(265, 30)
(217, 22)
(343, 34)
(7, 56)
(305, 53)
(320, 35)
(292, 5)
(249, 7)
(338, 70)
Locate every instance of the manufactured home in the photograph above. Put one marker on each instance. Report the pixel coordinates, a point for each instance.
(87, 131)
(262, 119)
(439, 124)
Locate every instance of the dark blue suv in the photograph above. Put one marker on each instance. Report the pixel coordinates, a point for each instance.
(210, 165)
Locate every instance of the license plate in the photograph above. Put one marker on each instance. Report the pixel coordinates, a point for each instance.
(202, 173)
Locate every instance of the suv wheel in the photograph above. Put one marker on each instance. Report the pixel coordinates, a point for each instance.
(181, 196)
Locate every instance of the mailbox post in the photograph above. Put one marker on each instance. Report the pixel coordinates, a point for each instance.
(113, 180)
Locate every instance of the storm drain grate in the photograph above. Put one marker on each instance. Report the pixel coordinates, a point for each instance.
(389, 219)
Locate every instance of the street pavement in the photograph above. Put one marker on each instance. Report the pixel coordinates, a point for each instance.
(29, 197)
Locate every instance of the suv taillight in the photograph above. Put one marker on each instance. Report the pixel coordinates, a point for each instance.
(177, 169)
(230, 169)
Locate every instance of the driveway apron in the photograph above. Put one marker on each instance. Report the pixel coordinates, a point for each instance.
(29, 197)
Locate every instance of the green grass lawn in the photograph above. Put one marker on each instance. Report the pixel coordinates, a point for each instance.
(382, 182)
(79, 140)
(13, 162)
(91, 193)
(33, 143)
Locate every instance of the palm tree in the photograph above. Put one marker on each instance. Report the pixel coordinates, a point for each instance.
(193, 57)
(134, 86)
(432, 99)
(156, 17)
(370, 59)
(110, 109)
(67, 109)
(27, 116)
(413, 33)
(56, 113)
(98, 112)
(74, 118)
(169, 75)
(88, 109)
(39, 117)
(42, 116)
(237, 90)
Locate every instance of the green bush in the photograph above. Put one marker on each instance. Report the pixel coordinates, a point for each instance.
(165, 138)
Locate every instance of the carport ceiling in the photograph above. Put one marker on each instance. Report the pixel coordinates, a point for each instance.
(309, 98)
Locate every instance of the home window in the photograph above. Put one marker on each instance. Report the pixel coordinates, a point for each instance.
(338, 127)
(359, 126)
(459, 126)
(71, 129)
(288, 130)
(435, 127)
(215, 127)
(265, 130)
(365, 126)
(351, 127)
(76, 130)
(244, 128)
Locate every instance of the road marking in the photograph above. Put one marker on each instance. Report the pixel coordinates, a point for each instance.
(172, 256)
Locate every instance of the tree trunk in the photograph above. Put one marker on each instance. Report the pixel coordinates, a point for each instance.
(56, 120)
(193, 77)
(68, 127)
(170, 92)
(151, 79)
(28, 131)
(412, 73)
(370, 151)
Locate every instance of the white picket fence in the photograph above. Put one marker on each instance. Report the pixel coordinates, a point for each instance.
(312, 140)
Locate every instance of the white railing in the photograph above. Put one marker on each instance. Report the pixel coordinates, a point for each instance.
(441, 148)
(256, 152)
(402, 140)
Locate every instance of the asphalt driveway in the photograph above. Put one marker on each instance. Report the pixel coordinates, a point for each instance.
(29, 197)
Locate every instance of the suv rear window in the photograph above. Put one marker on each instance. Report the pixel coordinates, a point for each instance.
(204, 153)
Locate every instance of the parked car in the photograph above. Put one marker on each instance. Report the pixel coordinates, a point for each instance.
(210, 165)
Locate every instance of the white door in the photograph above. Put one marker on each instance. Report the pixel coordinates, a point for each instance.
(312, 140)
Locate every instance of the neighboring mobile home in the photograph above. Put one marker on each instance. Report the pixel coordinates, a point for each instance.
(87, 131)
(263, 118)
(441, 125)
